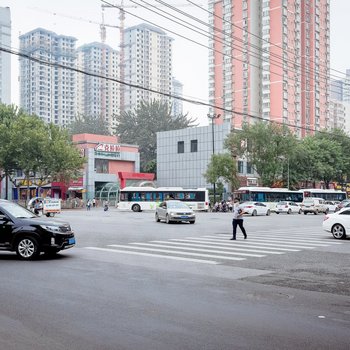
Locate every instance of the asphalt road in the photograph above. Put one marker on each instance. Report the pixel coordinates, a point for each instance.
(132, 283)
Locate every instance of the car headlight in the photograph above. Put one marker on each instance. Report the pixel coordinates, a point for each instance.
(50, 228)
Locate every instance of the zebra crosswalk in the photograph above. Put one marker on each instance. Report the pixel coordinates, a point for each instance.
(216, 248)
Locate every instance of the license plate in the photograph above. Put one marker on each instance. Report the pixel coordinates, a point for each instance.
(71, 241)
(184, 217)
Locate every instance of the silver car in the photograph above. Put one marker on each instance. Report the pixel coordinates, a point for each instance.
(175, 211)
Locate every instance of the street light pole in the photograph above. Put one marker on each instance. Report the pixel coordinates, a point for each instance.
(212, 117)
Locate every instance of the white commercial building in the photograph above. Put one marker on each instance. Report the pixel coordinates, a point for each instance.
(5, 58)
(98, 97)
(147, 63)
(48, 91)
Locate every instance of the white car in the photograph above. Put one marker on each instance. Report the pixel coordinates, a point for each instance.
(331, 205)
(174, 211)
(338, 223)
(287, 207)
(255, 208)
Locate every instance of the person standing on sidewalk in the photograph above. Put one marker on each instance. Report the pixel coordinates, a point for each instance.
(237, 220)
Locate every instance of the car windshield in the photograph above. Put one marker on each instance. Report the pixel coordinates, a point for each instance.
(177, 205)
(282, 203)
(17, 211)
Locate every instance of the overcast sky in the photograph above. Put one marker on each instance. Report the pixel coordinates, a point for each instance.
(190, 61)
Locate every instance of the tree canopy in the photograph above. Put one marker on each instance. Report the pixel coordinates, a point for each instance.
(87, 124)
(140, 127)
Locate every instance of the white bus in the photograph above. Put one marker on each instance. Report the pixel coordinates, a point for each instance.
(148, 198)
(271, 196)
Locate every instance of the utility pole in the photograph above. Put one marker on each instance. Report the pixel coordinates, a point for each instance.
(212, 118)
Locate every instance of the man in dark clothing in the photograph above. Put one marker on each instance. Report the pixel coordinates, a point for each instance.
(237, 220)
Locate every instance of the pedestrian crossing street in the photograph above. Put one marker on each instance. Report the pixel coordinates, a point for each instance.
(217, 248)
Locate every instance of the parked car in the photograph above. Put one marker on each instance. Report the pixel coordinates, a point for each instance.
(26, 234)
(343, 204)
(331, 205)
(175, 211)
(287, 207)
(314, 206)
(255, 208)
(338, 223)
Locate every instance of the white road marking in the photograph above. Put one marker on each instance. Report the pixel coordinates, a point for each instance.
(153, 255)
(197, 249)
(226, 246)
(244, 243)
(177, 252)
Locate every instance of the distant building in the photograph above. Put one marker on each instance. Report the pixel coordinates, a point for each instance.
(177, 105)
(337, 115)
(270, 60)
(336, 90)
(148, 63)
(98, 97)
(5, 58)
(48, 91)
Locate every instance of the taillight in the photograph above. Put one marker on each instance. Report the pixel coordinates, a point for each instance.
(286, 206)
(325, 218)
(249, 206)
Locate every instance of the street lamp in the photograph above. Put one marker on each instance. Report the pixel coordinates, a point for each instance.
(212, 117)
(283, 158)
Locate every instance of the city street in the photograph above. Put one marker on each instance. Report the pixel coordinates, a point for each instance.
(132, 283)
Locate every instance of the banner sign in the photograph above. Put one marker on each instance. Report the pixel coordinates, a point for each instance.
(107, 150)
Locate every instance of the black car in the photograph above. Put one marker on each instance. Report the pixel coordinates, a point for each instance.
(26, 234)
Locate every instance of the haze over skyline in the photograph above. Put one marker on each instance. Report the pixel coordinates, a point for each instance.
(190, 60)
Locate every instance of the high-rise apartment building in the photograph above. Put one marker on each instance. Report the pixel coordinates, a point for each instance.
(98, 97)
(270, 61)
(48, 91)
(5, 58)
(147, 63)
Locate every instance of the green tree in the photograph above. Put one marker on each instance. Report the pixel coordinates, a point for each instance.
(266, 146)
(222, 169)
(87, 124)
(140, 127)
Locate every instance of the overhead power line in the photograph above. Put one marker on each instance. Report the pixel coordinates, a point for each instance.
(196, 102)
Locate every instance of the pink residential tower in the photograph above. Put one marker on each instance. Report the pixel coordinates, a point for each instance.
(270, 60)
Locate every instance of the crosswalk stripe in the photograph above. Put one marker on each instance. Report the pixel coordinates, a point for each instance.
(309, 241)
(295, 232)
(198, 249)
(177, 252)
(242, 243)
(271, 244)
(202, 261)
(227, 246)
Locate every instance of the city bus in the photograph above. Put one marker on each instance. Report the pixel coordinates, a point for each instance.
(271, 196)
(148, 198)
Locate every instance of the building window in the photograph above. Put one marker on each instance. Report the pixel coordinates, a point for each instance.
(181, 147)
(194, 145)
(101, 166)
(249, 168)
(240, 167)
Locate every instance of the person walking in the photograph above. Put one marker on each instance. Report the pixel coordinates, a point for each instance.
(237, 220)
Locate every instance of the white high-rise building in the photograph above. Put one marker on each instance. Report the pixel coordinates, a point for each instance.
(5, 58)
(177, 104)
(98, 97)
(48, 91)
(148, 63)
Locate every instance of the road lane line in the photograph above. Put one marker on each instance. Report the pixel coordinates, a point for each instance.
(197, 249)
(202, 261)
(177, 252)
(210, 245)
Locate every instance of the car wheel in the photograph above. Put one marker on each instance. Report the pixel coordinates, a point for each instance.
(305, 212)
(254, 213)
(157, 218)
(327, 211)
(316, 212)
(338, 231)
(289, 211)
(167, 220)
(136, 208)
(192, 222)
(268, 212)
(27, 248)
(299, 212)
(277, 212)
